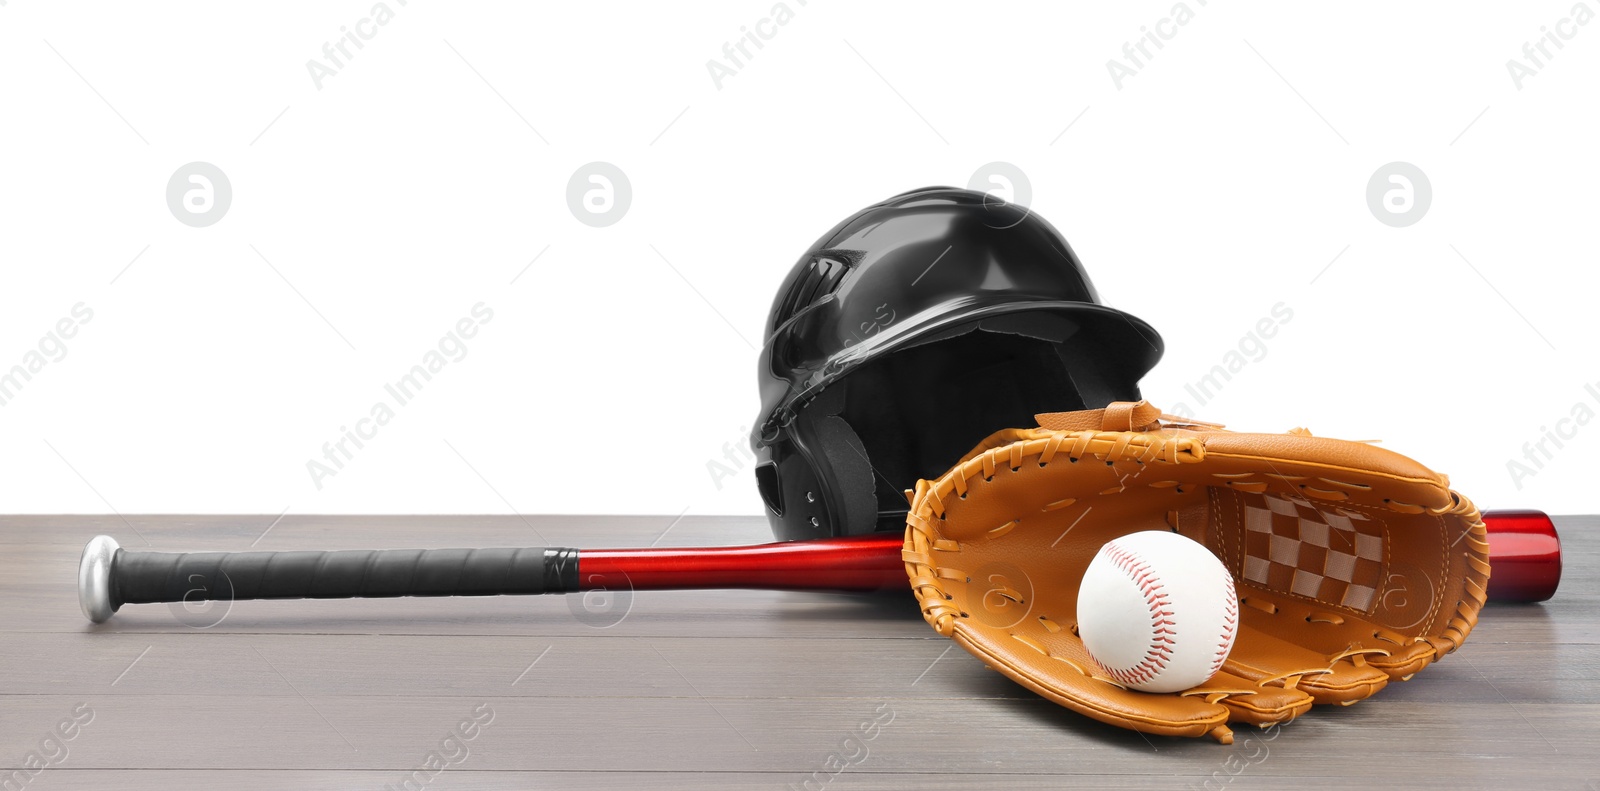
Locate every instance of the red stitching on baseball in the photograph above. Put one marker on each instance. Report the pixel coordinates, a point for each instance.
(1228, 626)
(1161, 623)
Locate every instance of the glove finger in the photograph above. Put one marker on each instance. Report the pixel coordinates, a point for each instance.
(1251, 703)
(1360, 641)
(1269, 661)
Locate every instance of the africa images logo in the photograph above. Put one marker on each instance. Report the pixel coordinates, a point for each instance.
(337, 53)
(452, 348)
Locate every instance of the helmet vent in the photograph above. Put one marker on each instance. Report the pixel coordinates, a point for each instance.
(821, 278)
(767, 484)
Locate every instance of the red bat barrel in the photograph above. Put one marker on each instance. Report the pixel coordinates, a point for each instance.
(1524, 556)
(853, 563)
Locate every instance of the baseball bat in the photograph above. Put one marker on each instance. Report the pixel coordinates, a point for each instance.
(1525, 554)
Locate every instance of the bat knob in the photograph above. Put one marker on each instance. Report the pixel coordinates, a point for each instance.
(94, 578)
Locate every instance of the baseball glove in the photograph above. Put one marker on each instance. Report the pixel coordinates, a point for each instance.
(1354, 566)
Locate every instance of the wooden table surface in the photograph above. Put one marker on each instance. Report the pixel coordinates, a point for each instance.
(681, 689)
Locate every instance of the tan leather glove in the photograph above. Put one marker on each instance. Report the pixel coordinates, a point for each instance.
(1354, 565)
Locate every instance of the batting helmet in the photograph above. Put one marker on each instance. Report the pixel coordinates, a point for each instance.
(911, 331)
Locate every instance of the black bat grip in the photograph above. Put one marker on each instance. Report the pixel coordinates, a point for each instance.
(145, 577)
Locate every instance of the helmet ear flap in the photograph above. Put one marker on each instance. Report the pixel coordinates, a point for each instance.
(853, 501)
(819, 481)
(839, 460)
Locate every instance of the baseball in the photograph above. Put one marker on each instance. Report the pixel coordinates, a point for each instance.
(1157, 611)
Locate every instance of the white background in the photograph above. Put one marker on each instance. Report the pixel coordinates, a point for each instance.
(1221, 179)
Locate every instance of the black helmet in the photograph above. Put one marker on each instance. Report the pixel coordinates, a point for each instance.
(911, 331)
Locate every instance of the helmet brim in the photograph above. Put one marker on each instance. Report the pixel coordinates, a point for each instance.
(1120, 347)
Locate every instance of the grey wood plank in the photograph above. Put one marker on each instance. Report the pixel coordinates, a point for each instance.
(222, 664)
(691, 733)
(855, 778)
(852, 779)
